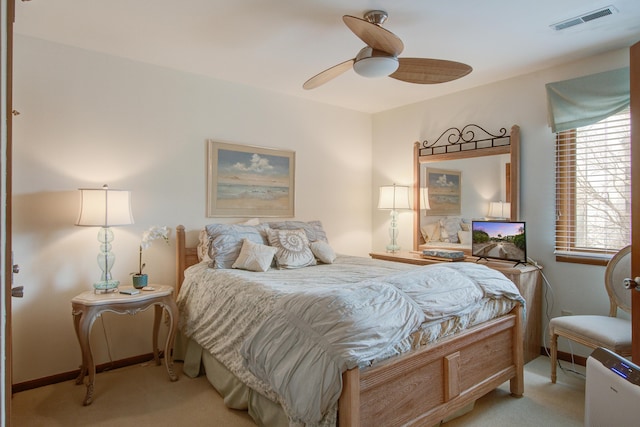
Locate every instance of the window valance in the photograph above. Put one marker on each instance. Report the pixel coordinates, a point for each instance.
(586, 100)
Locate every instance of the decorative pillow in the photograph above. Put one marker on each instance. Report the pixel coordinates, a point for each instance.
(293, 248)
(431, 232)
(225, 241)
(464, 237)
(449, 228)
(313, 229)
(254, 256)
(323, 252)
(203, 240)
(465, 225)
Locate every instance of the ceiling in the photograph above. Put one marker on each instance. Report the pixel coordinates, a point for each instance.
(278, 44)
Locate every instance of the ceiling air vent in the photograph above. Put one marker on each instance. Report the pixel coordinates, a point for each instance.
(587, 17)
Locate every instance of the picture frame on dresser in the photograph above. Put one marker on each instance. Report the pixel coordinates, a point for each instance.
(249, 181)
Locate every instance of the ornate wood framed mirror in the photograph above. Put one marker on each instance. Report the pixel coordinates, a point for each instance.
(459, 147)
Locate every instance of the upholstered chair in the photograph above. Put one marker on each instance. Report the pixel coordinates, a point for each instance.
(594, 331)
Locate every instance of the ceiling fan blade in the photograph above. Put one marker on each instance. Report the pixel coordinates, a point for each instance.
(374, 35)
(328, 74)
(429, 71)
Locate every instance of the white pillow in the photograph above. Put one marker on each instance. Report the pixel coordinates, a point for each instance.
(293, 248)
(465, 237)
(254, 256)
(449, 229)
(431, 232)
(323, 251)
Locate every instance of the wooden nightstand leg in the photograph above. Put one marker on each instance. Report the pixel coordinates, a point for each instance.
(172, 311)
(83, 320)
(88, 398)
(156, 327)
(83, 365)
(83, 373)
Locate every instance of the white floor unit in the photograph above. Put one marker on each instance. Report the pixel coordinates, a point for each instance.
(612, 393)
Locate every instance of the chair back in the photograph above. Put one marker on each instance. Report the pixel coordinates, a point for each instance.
(618, 269)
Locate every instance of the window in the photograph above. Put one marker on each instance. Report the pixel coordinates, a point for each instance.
(593, 190)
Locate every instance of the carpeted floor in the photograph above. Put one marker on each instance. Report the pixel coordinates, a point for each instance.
(543, 403)
(142, 395)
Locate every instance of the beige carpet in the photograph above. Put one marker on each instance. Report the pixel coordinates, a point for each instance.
(142, 395)
(543, 403)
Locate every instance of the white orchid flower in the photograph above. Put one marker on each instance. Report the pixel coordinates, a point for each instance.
(153, 233)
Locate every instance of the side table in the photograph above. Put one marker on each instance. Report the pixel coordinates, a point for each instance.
(88, 306)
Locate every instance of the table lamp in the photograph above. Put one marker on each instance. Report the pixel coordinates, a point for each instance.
(394, 197)
(105, 208)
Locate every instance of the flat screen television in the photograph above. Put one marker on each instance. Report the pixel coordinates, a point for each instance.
(501, 240)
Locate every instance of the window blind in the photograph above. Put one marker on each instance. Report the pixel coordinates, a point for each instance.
(593, 188)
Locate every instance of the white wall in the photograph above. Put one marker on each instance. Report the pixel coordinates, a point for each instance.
(521, 101)
(87, 119)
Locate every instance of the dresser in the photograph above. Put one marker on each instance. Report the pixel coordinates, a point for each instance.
(527, 279)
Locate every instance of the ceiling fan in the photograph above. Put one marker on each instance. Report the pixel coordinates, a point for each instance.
(380, 57)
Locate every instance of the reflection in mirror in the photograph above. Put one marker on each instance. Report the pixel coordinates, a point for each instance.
(486, 166)
(482, 180)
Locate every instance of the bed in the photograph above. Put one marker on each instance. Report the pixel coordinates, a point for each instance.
(411, 380)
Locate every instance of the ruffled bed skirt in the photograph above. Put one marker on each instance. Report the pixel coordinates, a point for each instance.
(236, 395)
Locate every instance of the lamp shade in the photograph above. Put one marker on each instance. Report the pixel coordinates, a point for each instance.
(104, 207)
(424, 198)
(499, 210)
(394, 197)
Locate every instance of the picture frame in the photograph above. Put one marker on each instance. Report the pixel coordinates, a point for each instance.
(445, 196)
(249, 181)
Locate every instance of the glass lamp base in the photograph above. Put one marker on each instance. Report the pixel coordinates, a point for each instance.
(105, 286)
(393, 248)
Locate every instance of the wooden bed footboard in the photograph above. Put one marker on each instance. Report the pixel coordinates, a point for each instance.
(427, 385)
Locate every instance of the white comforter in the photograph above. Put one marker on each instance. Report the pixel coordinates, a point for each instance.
(296, 331)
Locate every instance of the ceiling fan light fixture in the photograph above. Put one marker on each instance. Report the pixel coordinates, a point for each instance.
(372, 63)
(379, 57)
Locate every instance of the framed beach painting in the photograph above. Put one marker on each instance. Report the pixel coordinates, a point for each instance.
(247, 181)
(444, 191)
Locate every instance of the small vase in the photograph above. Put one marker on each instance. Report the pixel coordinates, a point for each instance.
(140, 280)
